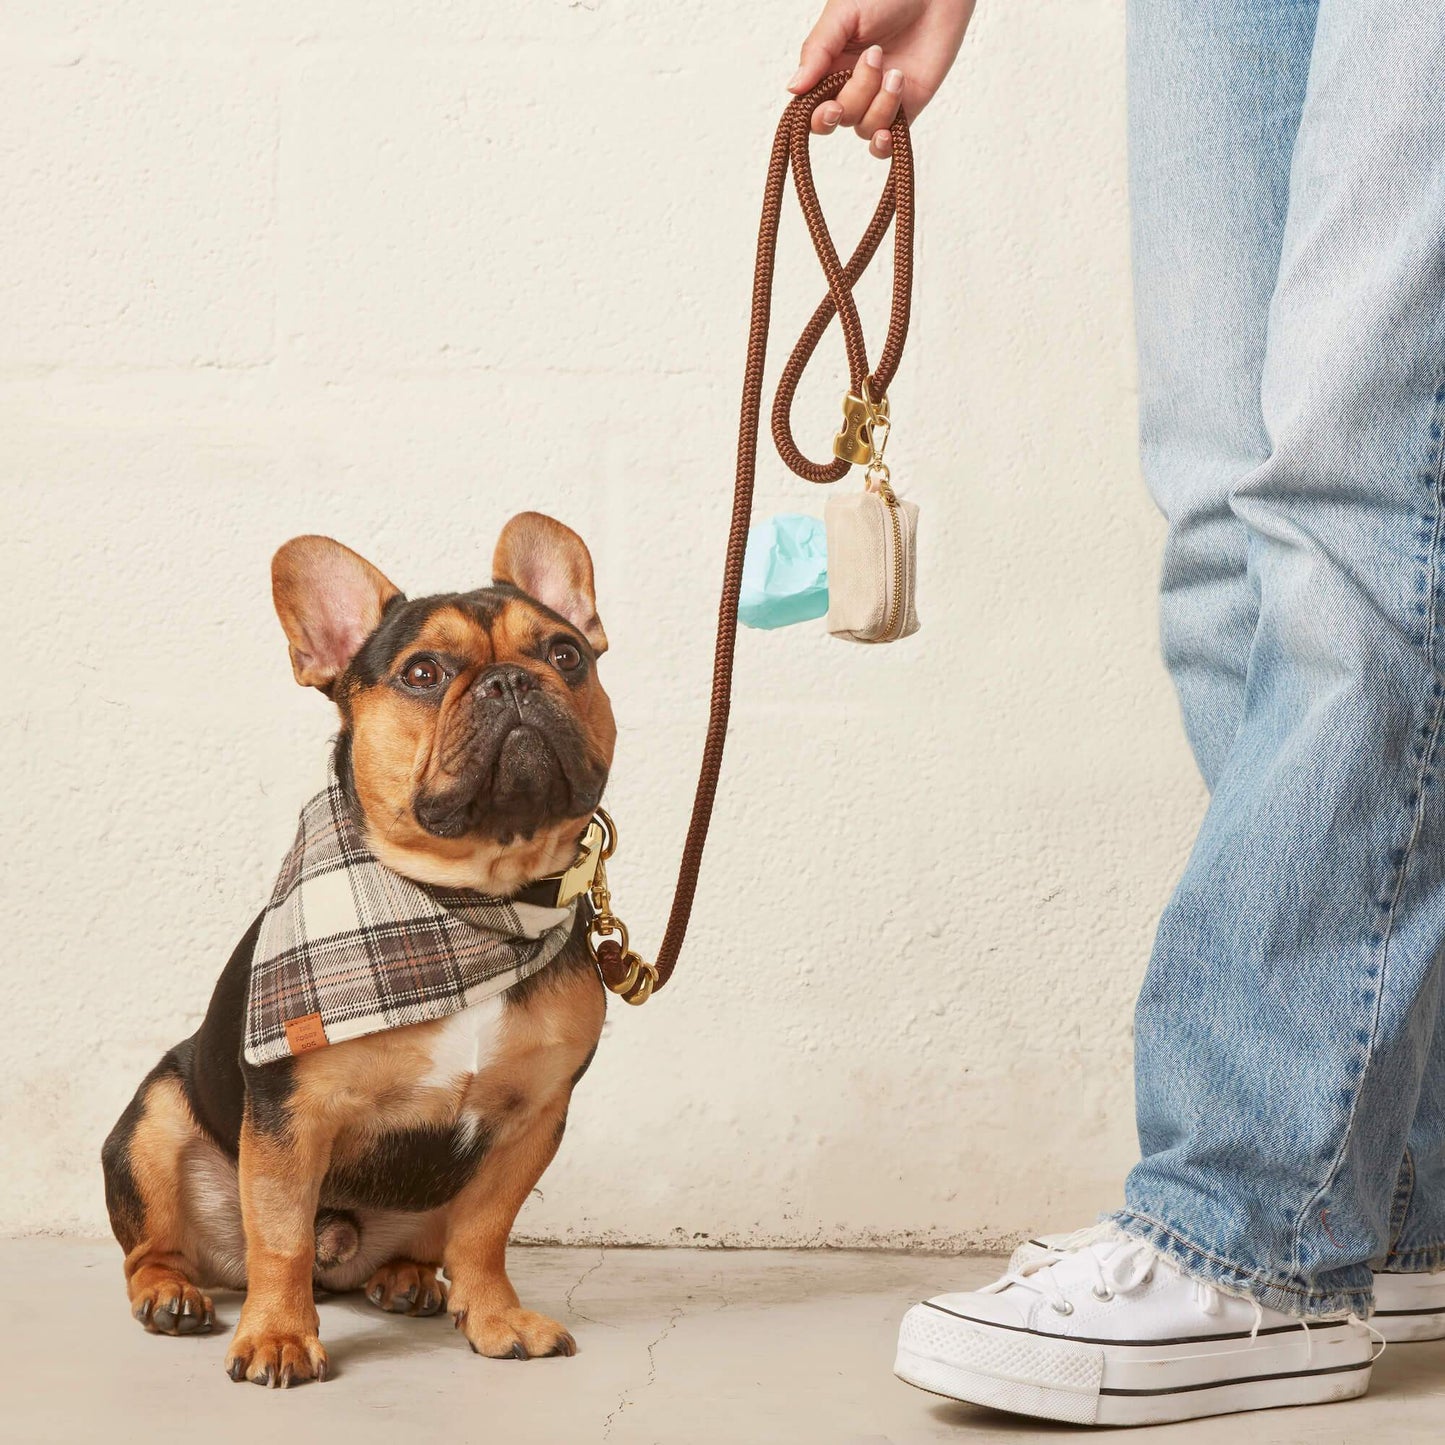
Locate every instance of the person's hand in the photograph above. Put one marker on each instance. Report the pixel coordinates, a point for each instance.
(899, 52)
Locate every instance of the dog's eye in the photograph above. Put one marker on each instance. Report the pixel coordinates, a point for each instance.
(564, 656)
(423, 673)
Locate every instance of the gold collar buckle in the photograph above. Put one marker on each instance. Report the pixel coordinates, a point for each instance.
(578, 879)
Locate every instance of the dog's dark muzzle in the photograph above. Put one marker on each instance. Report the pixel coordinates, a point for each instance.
(514, 760)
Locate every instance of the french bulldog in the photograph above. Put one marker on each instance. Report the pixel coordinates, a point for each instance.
(474, 746)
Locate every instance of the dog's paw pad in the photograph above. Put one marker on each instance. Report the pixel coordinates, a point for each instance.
(404, 1287)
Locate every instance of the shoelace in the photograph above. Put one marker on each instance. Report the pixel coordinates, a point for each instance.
(1124, 1265)
(1376, 1338)
(1118, 1267)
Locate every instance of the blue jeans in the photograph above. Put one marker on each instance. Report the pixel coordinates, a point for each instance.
(1287, 168)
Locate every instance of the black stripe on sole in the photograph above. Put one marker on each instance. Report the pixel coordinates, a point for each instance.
(1182, 1340)
(1242, 1380)
(1405, 1314)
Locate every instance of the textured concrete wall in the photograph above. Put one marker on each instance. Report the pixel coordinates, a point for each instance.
(392, 269)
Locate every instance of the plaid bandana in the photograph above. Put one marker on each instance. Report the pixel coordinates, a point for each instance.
(347, 947)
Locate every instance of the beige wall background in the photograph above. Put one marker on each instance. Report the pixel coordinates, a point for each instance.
(395, 270)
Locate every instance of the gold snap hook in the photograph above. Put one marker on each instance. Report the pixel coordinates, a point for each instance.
(607, 933)
(879, 424)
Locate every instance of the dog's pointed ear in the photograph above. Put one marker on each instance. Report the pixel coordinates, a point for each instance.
(551, 563)
(329, 601)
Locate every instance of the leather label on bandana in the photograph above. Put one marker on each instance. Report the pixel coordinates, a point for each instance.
(305, 1034)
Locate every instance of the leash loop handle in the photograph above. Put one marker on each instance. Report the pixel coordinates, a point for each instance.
(895, 206)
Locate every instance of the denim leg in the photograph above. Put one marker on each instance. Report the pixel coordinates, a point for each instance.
(1215, 94)
(1285, 1028)
(1417, 1223)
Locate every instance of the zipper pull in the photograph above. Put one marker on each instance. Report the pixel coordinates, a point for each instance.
(879, 481)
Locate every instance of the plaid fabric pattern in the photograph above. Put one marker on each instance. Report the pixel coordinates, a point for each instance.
(365, 949)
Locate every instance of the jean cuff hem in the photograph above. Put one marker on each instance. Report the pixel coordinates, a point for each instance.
(1287, 1297)
(1418, 1259)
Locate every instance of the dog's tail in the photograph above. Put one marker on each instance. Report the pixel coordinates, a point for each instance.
(338, 1237)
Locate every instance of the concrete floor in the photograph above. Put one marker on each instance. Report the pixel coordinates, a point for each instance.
(677, 1347)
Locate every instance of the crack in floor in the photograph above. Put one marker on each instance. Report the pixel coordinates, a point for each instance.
(581, 1280)
(629, 1399)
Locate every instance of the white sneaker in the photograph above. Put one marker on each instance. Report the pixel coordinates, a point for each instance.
(1111, 1333)
(1408, 1307)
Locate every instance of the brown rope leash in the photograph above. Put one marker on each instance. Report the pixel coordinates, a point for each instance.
(622, 970)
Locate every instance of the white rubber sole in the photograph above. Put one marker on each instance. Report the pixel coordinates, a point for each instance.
(1409, 1307)
(1106, 1383)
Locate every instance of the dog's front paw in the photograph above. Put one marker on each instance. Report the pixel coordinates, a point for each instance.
(167, 1303)
(276, 1358)
(404, 1287)
(515, 1334)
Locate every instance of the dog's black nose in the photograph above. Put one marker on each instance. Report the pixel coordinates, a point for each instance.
(508, 680)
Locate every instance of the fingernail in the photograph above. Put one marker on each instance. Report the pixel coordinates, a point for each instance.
(831, 114)
(883, 142)
(797, 80)
(873, 56)
(893, 82)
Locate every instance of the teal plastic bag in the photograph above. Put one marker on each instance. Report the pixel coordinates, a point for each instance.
(785, 572)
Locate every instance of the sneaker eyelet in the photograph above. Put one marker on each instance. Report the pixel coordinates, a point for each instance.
(1063, 1308)
(1103, 1294)
(1148, 1277)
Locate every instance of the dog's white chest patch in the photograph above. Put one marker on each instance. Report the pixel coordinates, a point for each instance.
(465, 1044)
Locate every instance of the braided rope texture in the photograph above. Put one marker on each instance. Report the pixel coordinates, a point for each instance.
(895, 207)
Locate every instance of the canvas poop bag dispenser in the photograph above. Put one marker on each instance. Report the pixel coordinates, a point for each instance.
(871, 534)
(872, 539)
